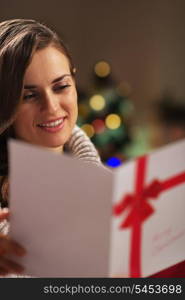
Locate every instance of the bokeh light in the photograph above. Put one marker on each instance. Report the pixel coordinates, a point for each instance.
(113, 121)
(99, 125)
(113, 162)
(97, 102)
(102, 69)
(88, 129)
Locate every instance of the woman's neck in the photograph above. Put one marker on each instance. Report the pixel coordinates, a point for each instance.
(55, 149)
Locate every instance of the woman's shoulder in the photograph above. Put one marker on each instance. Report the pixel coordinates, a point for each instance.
(80, 146)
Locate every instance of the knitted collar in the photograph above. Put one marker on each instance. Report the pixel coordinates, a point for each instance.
(80, 146)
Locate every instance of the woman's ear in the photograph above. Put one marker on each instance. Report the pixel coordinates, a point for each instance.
(74, 71)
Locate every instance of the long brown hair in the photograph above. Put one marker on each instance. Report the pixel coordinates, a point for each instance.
(19, 39)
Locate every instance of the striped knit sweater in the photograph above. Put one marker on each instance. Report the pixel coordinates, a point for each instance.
(80, 146)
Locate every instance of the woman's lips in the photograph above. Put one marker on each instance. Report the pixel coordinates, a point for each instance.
(51, 127)
(49, 122)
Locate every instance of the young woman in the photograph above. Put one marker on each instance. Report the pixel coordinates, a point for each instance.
(38, 105)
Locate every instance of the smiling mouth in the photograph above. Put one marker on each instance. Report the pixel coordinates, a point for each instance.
(52, 124)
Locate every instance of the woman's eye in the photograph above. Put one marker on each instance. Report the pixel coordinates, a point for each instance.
(29, 96)
(61, 87)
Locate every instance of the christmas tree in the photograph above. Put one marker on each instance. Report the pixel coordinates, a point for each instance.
(105, 112)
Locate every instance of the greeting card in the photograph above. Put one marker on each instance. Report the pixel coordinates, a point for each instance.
(80, 220)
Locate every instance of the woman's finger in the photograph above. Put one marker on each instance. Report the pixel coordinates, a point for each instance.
(4, 214)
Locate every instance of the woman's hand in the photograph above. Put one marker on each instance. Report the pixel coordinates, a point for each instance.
(9, 246)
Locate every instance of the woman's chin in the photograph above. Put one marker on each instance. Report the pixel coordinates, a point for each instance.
(53, 145)
(55, 140)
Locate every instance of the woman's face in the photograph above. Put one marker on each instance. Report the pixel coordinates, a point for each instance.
(48, 113)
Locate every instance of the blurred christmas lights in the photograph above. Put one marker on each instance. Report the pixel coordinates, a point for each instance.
(99, 125)
(102, 69)
(89, 130)
(113, 162)
(113, 121)
(97, 102)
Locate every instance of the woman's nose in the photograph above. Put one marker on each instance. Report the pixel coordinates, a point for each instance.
(51, 103)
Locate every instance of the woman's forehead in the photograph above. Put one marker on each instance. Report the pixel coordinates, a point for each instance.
(46, 65)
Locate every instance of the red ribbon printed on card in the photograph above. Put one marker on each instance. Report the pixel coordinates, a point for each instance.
(141, 209)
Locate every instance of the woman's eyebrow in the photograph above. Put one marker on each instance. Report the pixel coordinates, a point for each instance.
(31, 86)
(60, 78)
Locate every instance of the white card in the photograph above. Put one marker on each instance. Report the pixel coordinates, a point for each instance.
(61, 212)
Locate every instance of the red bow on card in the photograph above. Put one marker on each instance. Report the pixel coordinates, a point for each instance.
(146, 209)
(141, 209)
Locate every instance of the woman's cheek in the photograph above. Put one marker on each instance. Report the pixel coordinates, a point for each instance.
(71, 102)
(25, 120)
